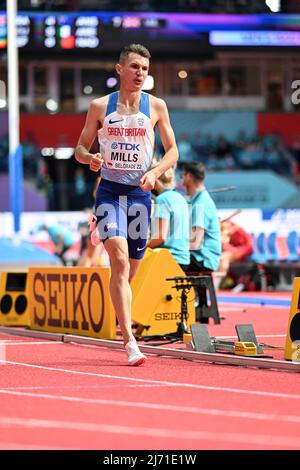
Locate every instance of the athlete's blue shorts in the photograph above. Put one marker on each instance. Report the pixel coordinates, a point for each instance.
(124, 211)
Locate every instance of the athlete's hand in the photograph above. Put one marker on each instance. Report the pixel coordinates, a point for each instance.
(96, 162)
(147, 182)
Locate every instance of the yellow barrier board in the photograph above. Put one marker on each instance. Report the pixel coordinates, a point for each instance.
(292, 345)
(14, 305)
(156, 306)
(71, 300)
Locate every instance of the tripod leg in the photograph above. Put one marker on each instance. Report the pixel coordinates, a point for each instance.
(202, 304)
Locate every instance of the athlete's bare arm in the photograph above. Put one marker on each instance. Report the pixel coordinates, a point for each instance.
(197, 235)
(160, 234)
(93, 121)
(160, 117)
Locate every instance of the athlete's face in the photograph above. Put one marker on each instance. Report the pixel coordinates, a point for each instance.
(186, 181)
(133, 71)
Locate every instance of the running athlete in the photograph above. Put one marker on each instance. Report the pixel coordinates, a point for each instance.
(124, 122)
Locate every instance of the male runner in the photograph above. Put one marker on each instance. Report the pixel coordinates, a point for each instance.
(124, 122)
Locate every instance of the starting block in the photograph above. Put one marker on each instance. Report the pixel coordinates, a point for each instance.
(246, 333)
(247, 344)
(243, 348)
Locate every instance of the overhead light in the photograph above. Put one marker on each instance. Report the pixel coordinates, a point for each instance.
(52, 105)
(117, 21)
(182, 74)
(64, 153)
(274, 5)
(47, 152)
(149, 83)
(88, 90)
(111, 82)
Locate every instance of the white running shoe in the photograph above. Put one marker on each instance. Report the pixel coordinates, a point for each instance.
(135, 357)
(95, 237)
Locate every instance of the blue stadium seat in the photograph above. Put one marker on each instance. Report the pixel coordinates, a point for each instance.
(260, 252)
(272, 254)
(292, 244)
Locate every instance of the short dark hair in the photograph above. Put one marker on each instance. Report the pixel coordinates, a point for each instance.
(196, 169)
(135, 49)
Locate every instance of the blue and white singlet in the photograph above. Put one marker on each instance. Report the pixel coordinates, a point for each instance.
(126, 142)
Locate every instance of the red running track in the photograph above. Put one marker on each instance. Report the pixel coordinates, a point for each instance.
(67, 396)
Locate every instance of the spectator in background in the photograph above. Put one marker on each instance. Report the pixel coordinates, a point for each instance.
(4, 149)
(84, 232)
(241, 140)
(205, 236)
(237, 245)
(80, 187)
(171, 220)
(62, 238)
(295, 150)
(223, 147)
(185, 150)
(31, 157)
(89, 254)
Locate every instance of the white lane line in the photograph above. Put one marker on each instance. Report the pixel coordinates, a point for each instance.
(257, 336)
(21, 343)
(20, 446)
(2, 353)
(181, 434)
(161, 382)
(11, 340)
(271, 336)
(88, 387)
(24, 343)
(161, 407)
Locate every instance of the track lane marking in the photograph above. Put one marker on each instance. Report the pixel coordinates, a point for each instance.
(24, 343)
(262, 439)
(161, 407)
(161, 382)
(257, 336)
(47, 387)
(20, 446)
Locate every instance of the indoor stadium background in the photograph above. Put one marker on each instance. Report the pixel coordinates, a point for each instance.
(230, 75)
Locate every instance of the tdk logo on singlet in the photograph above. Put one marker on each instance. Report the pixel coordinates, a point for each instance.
(125, 146)
(125, 152)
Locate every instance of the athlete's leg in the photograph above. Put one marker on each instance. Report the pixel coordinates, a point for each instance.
(112, 224)
(134, 264)
(138, 223)
(121, 296)
(120, 290)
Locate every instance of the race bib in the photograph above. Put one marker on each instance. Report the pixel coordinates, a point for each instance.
(124, 155)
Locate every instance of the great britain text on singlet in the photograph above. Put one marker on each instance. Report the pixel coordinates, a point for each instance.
(127, 131)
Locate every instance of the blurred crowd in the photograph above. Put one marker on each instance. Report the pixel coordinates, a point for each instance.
(243, 153)
(218, 153)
